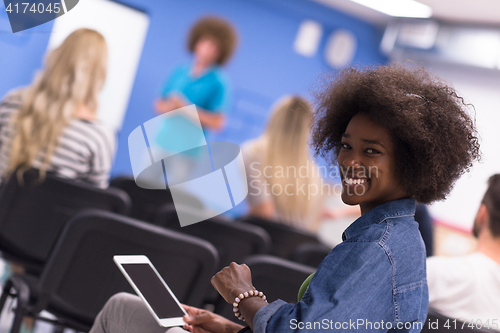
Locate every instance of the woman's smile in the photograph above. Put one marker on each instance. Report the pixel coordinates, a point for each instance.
(368, 164)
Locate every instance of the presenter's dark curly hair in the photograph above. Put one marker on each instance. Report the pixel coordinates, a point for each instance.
(218, 29)
(435, 138)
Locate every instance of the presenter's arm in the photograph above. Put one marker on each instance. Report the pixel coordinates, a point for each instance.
(164, 105)
(214, 121)
(210, 120)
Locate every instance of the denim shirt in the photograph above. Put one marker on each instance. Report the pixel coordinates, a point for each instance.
(374, 281)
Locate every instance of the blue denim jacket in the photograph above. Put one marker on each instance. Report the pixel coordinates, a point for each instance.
(374, 281)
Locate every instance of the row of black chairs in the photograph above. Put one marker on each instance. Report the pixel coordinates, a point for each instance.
(32, 215)
(157, 207)
(34, 209)
(80, 276)
(72, 273)
(30, 210)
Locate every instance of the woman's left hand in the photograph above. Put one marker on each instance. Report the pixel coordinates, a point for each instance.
(203, 321)
(232, 281)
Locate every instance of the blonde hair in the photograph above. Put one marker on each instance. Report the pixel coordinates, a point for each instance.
(74, 75)
(284, 144)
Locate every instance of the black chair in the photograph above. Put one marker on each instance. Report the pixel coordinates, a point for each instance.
(285, 239)
(425, 225)
(310, 254)
(147, 202)
(437, 323)
(80, 275)
(233, 241)
(277, 278)
(33, 214)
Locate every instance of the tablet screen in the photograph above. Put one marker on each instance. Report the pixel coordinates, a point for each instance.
(153, 290)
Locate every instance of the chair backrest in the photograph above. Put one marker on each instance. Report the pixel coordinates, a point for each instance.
(310, 254)
(277, 278)
(284, 238)
(33, 214)
(234, 241)
(147, 202)
(437, 323)
(80, 274)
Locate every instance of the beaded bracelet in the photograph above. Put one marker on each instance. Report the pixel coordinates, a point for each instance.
(240, 297)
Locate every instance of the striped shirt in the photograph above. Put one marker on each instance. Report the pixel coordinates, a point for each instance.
(85, 151)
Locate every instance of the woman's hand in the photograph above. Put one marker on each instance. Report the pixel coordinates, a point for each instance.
(203, 321)
(232, 281)
(173, 102)
(177, 101)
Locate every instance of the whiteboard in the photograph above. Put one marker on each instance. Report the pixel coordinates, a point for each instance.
(124, 29)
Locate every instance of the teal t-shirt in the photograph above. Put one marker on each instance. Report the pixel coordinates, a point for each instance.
(209, 91)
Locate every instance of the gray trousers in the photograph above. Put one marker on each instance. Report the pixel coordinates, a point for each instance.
(126, 313)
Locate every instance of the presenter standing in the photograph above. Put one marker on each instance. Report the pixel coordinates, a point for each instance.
(203, 83)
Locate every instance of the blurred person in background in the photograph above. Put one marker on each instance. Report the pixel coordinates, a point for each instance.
(273, 161)
(202, 82)
(52, 124)
(468, 287)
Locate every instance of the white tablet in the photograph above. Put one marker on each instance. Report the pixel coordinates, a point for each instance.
(149, 285)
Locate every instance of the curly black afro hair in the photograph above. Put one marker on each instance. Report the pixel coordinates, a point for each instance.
(435, 138)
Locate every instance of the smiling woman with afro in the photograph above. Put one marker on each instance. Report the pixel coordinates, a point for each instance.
(435, 138)
(417, 132)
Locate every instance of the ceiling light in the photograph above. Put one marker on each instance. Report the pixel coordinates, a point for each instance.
(400, 8)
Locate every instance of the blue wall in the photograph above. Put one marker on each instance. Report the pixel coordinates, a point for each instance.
(264, 67)
(21, 54)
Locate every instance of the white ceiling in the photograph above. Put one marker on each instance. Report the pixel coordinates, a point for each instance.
(459, 11)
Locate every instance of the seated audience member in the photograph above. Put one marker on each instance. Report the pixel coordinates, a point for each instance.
(51, 125)
(366, 119)
(425, 226)
(280, 170)
(468, 287)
